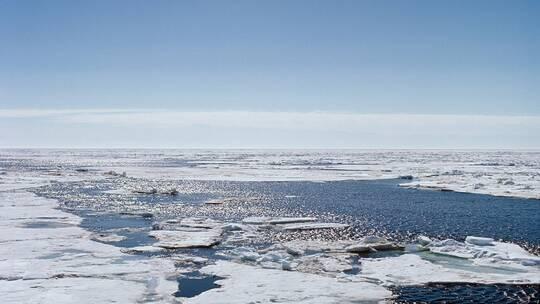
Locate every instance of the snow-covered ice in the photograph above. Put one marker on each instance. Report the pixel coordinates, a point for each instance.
(251, 284)
(45, 257)
(187, 238)
(61, 264)
(504, 173)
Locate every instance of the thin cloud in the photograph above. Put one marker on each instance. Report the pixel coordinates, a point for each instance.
(172, 128)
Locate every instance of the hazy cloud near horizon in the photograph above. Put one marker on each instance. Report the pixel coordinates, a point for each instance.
(117, 128)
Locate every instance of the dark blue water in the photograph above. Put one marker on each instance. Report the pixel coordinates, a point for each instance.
(379, 207)
(195, 283)
(385, 206)
(451, 293)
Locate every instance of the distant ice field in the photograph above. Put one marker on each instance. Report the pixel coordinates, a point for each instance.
(500, 173)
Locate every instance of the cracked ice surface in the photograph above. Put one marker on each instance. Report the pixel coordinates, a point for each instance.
(61, 264)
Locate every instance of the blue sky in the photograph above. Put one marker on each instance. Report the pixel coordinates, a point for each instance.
(464, 58)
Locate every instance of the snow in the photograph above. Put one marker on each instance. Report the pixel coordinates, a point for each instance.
(45, 257)
(250, 284)
(414, 269)
(488, 252)
(504, 173)
(187, 238)
(454, 261)
(143, 249)
(61, 264)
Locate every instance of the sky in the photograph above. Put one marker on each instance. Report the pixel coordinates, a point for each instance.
(270, 74)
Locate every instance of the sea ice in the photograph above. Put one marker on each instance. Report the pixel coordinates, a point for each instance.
(372, 243)
(250, 284)
(277, 220)
(63, 265)
(187, 238)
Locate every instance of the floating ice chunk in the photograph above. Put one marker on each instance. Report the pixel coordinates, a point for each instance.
(423, 240)
(480, 241)
(496, 254)
(250, 284)
(189, 238)
(235, 227)
(425, 267)
(415, 248)
(242, 253)
(372, 243)
(256, 220)
(277, 220)
(187, 259)
(359, 248)
(453, 248)
(196, 222)
(324, 263)
(313, 226)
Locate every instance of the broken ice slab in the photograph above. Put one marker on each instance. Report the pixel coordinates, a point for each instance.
(187, 238)
(263, 220)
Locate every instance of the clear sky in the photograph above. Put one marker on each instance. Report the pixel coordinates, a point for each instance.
(429, 61)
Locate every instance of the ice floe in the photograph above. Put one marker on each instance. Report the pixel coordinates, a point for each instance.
(486, 252)
(292, 223)
(187, 238)
(250, 284)
(187, 233)
(63, 264)
(372, 243)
